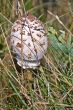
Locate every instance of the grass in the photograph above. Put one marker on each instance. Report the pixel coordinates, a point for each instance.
(50, 87)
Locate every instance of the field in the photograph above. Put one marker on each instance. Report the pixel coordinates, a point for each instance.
(50, 86)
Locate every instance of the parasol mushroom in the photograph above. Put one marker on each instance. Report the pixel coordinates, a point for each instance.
(28, 41)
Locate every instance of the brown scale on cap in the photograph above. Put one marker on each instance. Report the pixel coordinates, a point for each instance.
(41, 24)
(18, 22)
(29, 56)
(22, 33)
(19, 45)
(29, 44)
(39, 35)
(42, 44)
(35, 50)
(31, 17)
(36, 22)
(23, 20)
(18, 28)
(34, 40)
(29, 34)
(14, 30)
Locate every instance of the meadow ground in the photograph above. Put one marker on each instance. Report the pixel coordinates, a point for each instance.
(50, 87)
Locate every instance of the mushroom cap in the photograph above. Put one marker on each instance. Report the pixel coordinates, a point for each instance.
(28, 37)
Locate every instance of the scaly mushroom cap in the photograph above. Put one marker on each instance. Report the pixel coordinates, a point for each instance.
(28, 35)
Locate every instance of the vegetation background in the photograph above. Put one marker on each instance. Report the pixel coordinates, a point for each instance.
(50, 87)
